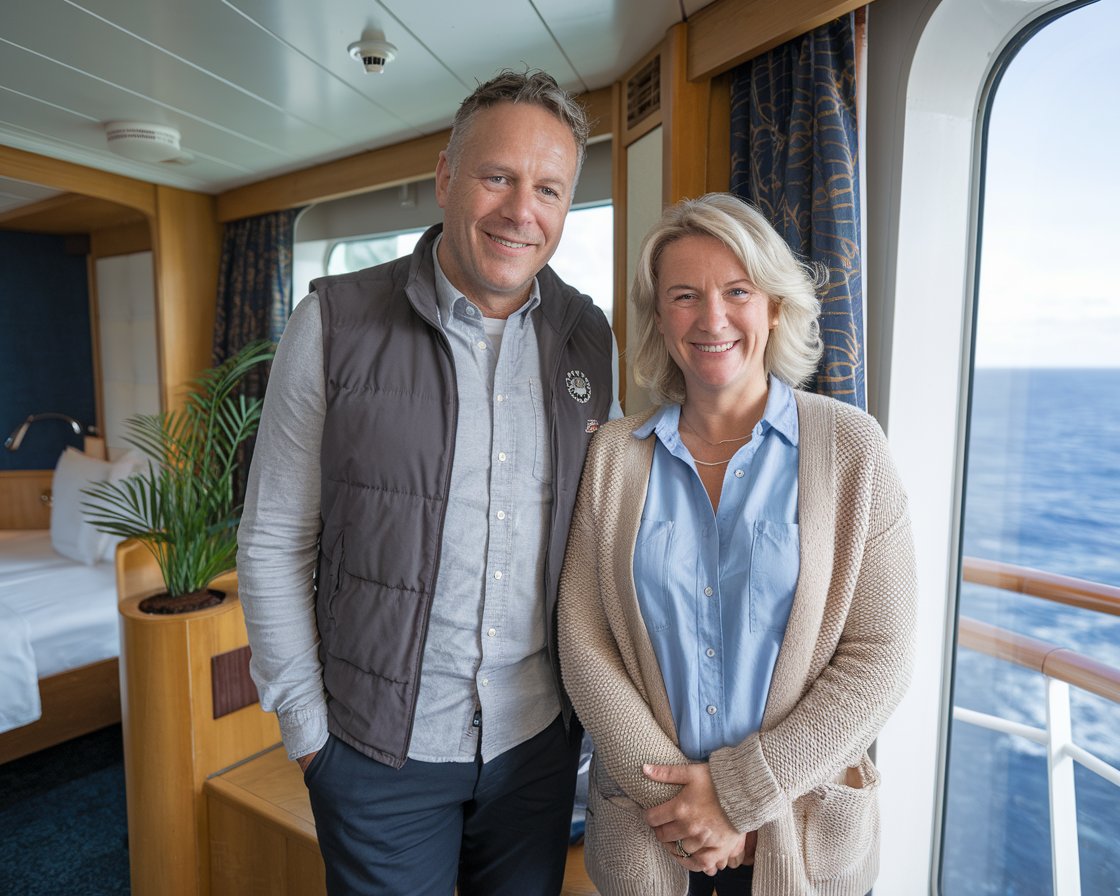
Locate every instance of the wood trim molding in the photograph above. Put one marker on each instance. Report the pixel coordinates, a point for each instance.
(727, 32)
(67, 176)
(374, 169)
(685, 112)
(618, 200)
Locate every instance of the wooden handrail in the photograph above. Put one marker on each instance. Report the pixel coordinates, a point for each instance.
(1038, 656)
(1050, 586)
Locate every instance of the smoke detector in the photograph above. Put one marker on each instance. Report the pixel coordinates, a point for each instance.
(374, 55)
(144, 142)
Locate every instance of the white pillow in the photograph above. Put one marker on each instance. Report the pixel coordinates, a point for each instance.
(71, 535)
(130, 462)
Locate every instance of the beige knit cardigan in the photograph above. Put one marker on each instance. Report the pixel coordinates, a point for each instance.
(804, 782)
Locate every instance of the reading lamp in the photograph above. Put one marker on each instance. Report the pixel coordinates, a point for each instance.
(13, 441)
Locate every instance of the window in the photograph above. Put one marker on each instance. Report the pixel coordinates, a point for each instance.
(1041, 498)
(584, 258)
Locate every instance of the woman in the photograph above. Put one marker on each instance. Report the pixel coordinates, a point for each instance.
(737, 602)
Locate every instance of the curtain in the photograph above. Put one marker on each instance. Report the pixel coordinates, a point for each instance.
(254, 298)
(794, 154)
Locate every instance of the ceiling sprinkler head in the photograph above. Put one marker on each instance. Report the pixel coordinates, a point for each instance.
(374, 55)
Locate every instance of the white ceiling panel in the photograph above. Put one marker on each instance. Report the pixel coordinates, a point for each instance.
(484, 38)
(260, 87)
(129, 76)
(602, 39)
(412, 94)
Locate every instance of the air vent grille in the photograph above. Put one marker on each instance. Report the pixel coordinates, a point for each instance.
(643, 92)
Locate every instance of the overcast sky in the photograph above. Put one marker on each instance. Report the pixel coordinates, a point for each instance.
(1049, 282)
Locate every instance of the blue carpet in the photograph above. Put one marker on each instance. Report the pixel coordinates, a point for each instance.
(63, 825)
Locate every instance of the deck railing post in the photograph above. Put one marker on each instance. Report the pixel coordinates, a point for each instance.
(1065, 857)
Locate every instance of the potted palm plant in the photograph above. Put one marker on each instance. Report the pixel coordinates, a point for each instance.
(184, 508)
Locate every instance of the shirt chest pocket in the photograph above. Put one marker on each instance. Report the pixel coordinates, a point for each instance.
(651, 572)
(775, 565)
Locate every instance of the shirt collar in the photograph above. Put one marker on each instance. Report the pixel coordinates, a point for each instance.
(780, 415)
(451, 301)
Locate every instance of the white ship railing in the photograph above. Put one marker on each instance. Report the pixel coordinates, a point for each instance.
(1062, 668)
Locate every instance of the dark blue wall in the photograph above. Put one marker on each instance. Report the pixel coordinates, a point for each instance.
(46, 355)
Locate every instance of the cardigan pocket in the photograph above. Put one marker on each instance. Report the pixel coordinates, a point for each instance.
(621, 853)
(840, 823)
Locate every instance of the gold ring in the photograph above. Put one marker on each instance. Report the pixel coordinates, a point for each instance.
(682, 852)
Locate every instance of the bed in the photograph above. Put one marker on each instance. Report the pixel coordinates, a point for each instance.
(59, 625)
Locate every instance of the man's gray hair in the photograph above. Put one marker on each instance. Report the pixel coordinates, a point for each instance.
(535, 87)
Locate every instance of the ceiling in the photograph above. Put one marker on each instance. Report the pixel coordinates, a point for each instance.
(261, 87)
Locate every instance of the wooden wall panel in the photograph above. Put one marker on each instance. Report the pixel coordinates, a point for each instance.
(685, 107)
(21, 498)
(372, 170)
(187, 243)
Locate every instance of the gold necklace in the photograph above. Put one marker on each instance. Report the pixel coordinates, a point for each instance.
(711, 463)
(692, 429)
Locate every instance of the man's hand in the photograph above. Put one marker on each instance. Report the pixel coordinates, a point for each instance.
(305, 761)
(694, 822)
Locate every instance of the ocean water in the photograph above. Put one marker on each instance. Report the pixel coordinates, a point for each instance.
(1042, 490)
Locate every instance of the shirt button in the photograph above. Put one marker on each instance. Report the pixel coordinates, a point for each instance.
(711, 709)
(710, 652)
(491, 632)
(501, 398)
(481, 345)
(502, 456)
(738, 474)
(501, 514)
(497, 574)
(708, 592)
(486, 684)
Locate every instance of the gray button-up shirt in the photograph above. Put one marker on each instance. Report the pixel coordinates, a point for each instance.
(487, 647)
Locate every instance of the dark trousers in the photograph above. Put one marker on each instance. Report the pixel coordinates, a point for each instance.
(728, 882)
(495, 829)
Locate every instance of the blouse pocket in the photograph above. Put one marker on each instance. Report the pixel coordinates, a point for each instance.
(840, 821)
(542, 450)
(651, 572)
(775, 564)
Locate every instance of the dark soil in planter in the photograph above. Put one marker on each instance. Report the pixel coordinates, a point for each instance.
(165, 604)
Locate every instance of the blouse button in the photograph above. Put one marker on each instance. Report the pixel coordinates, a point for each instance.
(709, 652)
(708, 592)
(738, 474)
(711, 710)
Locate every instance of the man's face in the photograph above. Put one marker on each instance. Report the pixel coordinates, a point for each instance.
(504, 201)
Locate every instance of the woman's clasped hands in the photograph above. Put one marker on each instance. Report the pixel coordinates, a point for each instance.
(692, 826)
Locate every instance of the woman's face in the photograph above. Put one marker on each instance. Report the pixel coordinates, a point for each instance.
(715, 322)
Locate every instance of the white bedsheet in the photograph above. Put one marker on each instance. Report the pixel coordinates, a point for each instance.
(62, 613)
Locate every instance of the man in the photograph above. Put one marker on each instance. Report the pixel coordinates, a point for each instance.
(406, 517)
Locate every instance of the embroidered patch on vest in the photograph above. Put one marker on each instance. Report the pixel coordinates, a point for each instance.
(579, 387)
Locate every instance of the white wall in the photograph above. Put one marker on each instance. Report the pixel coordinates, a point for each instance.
(127, 328)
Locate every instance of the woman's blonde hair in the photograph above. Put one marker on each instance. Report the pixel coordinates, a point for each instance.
(794, 347)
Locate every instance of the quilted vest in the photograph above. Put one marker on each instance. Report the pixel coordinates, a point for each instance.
(388, 442)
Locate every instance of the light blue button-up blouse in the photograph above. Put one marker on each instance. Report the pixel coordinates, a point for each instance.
(715, 588)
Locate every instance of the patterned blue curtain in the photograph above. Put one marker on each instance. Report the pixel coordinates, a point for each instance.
(254, 297)
(794, 155)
